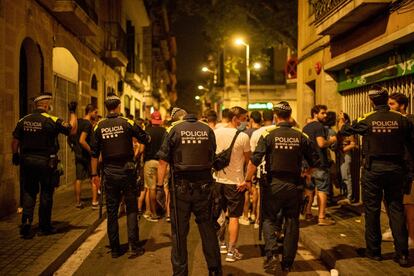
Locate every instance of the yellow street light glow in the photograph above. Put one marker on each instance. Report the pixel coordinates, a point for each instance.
(239, 41)
(205, 69)
(200, 87)
(257, 65)
(197, 97)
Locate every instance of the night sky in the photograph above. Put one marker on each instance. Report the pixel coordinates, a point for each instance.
(191, 53)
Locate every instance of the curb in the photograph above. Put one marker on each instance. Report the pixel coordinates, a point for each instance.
(61, 258)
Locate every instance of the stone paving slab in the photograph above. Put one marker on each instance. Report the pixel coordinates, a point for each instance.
(44, 254)
(337, 245)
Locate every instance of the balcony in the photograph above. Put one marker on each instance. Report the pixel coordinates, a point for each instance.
(334, 17)
(77, 15)
(115, 44)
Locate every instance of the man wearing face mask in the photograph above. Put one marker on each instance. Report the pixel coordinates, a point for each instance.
(230, 180)
(35, 148)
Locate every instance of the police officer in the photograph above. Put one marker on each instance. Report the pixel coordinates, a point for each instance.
(385, 133)
(189, 148)
(113, 139)
(35, 146)
(284, 148)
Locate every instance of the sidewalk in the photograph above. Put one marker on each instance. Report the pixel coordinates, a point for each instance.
(337, 245)
(42, 255)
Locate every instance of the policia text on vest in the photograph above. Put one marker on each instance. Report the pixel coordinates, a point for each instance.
(189, 148)
(35, 147)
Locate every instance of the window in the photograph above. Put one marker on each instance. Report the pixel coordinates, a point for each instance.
(127, 105)
(94, 82)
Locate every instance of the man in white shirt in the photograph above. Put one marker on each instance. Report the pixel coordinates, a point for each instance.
(254, 139)
(230, 179)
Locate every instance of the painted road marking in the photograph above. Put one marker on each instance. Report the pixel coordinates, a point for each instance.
(78, 257)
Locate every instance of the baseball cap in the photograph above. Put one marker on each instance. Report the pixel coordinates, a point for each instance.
(156, 118)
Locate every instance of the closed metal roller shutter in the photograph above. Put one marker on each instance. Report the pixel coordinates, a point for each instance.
(355, 102)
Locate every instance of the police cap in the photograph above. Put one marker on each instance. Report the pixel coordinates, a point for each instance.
(112, 101)
(177, 113)
(43, 96)
(282, 106)
(377, 91)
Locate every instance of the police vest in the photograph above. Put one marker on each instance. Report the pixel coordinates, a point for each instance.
(116, 140)
(285, 150)
(40, 135)
(385, 136)
(193, 150)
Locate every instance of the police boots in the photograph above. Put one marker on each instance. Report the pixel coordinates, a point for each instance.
(215, 272)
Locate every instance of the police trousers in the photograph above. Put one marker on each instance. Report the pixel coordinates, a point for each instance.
(120, 182)
(281, 195)
(192, 197)
(383, 179)
(35, 175)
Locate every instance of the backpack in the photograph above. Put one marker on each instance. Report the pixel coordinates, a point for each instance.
(222, 160)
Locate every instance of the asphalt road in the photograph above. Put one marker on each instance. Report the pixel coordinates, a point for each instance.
(94, 258)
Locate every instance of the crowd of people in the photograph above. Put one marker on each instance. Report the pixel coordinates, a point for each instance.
(275, 170)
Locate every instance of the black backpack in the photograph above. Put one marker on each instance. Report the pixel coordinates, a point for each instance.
(222, 160)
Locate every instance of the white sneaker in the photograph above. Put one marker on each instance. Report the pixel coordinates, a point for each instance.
(244, 221)
(387, 235)
(223, 248)
(233, 256)
(256, 226)
(252, 217)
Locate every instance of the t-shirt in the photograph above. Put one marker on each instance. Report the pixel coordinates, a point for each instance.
(313, 130)
(83, 126)
(234, 173)
(157, 134)
(249, 131)
(254, 139)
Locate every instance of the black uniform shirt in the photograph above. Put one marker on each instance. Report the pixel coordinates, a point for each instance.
(290, 143)
(113, 138)
(38, 131)
(173, 140)
(385, 133)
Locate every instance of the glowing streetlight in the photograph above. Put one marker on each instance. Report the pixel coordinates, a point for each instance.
(197, 98)
(240, 41)
(257, 66)
(205, 69)
(200, 87)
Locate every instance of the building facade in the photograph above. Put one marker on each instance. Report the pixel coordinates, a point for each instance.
(345, 46)
(77, 50)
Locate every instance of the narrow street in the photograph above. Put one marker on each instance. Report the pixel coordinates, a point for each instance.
(93, 257)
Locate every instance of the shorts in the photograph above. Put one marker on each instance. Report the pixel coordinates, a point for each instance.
(83, 170)
(232, 200)
(320, 180)
(151, 173)
(409, 199)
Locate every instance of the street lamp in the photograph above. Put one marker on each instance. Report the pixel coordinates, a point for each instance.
(200, 87)
(197, 98)
(240, 41)
(257, 65)
(205, 69)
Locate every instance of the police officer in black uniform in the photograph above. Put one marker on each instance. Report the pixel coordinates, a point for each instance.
(113, 139)
(284, 148)
(385, 134)
(35, 146)
(189, 148)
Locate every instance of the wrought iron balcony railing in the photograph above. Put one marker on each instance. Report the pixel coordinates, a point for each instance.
(323, 8)
(115, 38)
